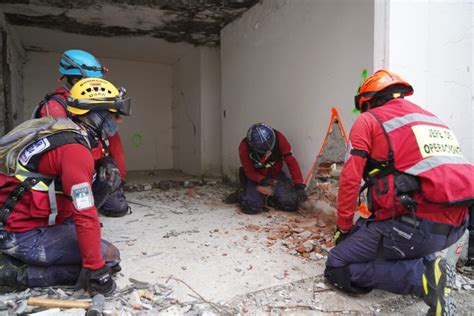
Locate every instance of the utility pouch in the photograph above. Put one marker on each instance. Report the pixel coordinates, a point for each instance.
(405, 183)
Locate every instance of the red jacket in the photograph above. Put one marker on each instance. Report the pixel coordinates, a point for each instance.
(73, 164)
(54, 108)
(281, 153)
(367, 136)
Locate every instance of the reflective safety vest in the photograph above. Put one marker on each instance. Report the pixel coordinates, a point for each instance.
(425, 164)
(55, 132)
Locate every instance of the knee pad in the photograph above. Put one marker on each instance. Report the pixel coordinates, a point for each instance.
(115, 206)
(341, 279)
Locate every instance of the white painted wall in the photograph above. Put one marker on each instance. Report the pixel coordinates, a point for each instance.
(187, 113)
(431, 46)
(196, 113)
(211, 130)
(147, 134)
(287, 63)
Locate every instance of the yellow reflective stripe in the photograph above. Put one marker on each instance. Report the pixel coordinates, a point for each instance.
(40, 186)
(437, 272)
(425, 285)
(439, 308)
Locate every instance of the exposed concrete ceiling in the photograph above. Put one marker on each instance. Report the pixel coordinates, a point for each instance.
(147, 30)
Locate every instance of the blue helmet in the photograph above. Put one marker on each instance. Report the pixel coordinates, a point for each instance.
(76, 62)
(261, 138)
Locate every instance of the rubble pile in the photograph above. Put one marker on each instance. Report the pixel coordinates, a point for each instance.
(299, 236)
(138, 298)
(167, 185)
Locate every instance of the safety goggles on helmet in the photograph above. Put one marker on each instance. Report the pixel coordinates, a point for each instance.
(377, 84)
(120, 106)
(95, 94)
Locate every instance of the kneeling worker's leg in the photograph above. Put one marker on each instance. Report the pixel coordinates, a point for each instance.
(52, 255)
(285, 194)
(115, 205)
(251, 200)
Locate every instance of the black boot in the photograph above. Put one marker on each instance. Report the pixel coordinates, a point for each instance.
(12, 274)
(233, 198)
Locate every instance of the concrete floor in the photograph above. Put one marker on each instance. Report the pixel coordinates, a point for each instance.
(189, 234)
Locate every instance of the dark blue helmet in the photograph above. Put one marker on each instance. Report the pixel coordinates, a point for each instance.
(261, 138)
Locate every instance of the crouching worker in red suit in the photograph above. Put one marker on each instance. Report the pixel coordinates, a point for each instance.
(262, 154)
(419, 190)
(74, 65)
(50, 232)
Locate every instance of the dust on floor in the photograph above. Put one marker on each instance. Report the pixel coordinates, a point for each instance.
(184, 252)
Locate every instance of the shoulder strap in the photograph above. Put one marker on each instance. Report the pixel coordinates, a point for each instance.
(55, 96)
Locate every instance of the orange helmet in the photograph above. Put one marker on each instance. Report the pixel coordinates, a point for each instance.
(378, 82)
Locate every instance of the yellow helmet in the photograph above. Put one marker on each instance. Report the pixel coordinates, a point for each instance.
(94, 94)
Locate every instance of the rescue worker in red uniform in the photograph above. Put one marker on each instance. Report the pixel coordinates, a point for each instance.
(50, 224)
(74, 65)
(262, 154)
(419, 190)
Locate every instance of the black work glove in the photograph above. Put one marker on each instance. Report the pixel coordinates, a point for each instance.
(107, 180)
(96, 281)
(339, 235)
(301, 194)
(268, 182)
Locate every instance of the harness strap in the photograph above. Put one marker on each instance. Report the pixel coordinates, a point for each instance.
(53, 204)
(15, 195)
(51, 192)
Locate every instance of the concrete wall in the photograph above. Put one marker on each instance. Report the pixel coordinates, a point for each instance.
(211, 131)
(287, 63)
(196, 113)
(187, 113)
(147, 134)
(431, 46)
(12, 57)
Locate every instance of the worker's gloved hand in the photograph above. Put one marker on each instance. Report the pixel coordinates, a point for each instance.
(301, 194)
(107, 180)
(268, 182)
(339, 235)
(96, 281)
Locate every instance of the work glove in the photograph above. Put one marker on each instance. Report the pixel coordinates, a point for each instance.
(267, 182)
(301, 194)
(96, 281)
(107, 180)
(339, 235)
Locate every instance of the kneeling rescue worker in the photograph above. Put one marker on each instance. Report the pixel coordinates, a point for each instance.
(50, 230)
(419, 190)
(75, 65)
(262, 154)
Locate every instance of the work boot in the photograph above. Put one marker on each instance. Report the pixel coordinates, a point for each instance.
(12, 274)
(233, 198)
(438, 280)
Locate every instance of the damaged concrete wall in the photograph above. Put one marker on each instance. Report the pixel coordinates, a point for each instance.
(211, 112)
(187, 113)
(287, 63)
(146, 135)
(196, 113)
(11, 83)
(431, 46)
